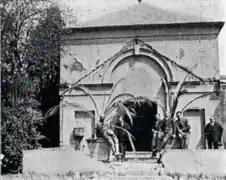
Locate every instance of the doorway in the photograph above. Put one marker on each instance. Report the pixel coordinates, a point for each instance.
(143, 122)
(196, 118)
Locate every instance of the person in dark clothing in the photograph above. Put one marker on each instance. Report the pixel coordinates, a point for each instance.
(213, 133)
(183, 130)
(167, 126)
(122, 135)
(156, 135)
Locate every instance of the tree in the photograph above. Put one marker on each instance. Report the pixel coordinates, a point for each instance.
(44, 64)
(30, 70)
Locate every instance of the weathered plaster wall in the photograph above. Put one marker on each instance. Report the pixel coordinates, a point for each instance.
(187, 45)
(209, 103)
(187, 53)
(68, 115)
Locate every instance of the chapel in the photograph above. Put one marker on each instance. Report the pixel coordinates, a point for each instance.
(144, 51)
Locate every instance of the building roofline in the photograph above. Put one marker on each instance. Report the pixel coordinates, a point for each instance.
(216, 24)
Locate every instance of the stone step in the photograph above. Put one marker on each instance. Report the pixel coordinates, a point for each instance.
(136, 162)
(128, 177)
(136, 165)
(142, 160)
(136, 169)
(138, 155)
(140, 168)
(151, 173)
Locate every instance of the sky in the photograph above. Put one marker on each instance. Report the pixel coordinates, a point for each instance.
(86, 10)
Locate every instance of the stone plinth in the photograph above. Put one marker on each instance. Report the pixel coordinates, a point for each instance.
(99, 149)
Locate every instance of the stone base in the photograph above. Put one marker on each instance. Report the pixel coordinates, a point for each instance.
(61, 161)
(99, 149)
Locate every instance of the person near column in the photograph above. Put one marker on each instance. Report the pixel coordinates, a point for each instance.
(213, 133)
(122, 135)
(156, 135)
(183, 130)
(107, 133)
(168, 127)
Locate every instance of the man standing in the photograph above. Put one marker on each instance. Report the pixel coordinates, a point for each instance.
(167, 126)
(156, 135)
(122, 135)
(213, 133)
(107, 133)
(183, 130)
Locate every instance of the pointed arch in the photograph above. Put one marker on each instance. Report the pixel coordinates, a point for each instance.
(135, 48)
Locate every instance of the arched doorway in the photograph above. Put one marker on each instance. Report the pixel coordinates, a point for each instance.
(142, 78)
(143, 123)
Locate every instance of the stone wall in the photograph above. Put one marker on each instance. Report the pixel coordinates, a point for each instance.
(211, 162)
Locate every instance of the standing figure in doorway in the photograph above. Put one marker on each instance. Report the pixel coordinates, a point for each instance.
(107, 133)
(213, 133)
(183, 130)
(168, 127)
(156, 135)
(122, 135)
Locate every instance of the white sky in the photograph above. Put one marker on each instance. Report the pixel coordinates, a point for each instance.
(85, 10)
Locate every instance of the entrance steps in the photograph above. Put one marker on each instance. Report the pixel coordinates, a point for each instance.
(140, 155)
(136, 170)
(198, 162)
(138, 166)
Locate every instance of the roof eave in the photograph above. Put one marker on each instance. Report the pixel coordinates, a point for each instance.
(213, 24)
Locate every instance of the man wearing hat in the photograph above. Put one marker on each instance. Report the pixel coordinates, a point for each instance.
(213, 134)
(183, 130)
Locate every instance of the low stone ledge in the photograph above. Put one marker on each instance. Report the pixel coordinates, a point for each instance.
(62, 160)
(194, 162)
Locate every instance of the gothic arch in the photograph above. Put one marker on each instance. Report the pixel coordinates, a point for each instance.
(138, 48)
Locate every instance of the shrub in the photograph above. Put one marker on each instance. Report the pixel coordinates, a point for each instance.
(19, 131)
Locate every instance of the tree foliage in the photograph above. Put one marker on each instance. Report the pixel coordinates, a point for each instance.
(30, 34)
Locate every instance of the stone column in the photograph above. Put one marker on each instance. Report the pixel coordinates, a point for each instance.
(61, 122)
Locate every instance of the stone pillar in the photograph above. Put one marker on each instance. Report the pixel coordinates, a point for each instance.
(61, 122)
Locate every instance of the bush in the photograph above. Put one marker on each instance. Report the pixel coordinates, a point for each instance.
(19, 131)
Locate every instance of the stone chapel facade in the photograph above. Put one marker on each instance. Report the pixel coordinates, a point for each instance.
(144, 45)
